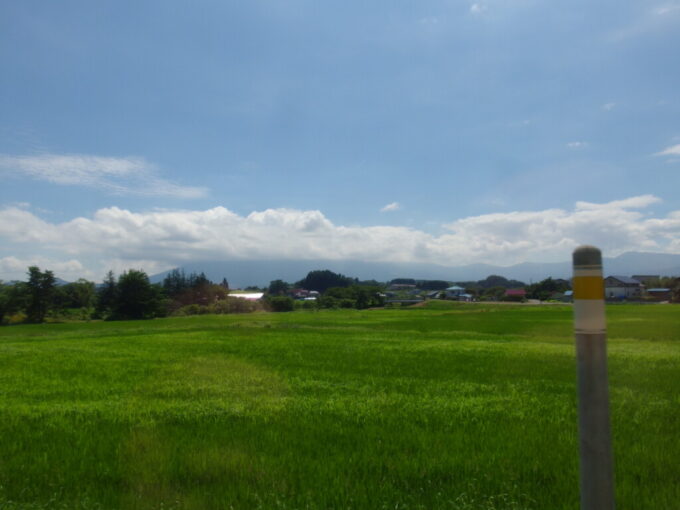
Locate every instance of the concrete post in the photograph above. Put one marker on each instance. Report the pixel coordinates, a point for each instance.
(597, 473)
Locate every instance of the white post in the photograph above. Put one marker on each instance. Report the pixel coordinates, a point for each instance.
(597, 474)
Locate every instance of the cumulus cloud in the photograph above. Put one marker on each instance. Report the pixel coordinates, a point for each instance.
(16, 268)
(394, 206)
(122, 176)
(158, 240)
(670, 151)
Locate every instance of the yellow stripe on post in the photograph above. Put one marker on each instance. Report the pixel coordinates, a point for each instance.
(588, 287)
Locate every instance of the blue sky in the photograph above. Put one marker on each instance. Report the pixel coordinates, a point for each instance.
(440, 131)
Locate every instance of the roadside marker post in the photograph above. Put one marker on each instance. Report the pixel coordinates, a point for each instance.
(597, 473)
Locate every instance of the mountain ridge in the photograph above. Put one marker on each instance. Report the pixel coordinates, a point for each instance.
(241, 273)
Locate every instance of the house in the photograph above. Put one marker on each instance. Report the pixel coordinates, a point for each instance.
(514, 295)
(659, 294)
(645, 278)
(298, 293)
(250, 296)
(454, 292)
(622, 287)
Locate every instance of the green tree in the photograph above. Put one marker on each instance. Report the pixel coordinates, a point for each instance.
(281, 304)
(355, 296)
(545, 288)
(403, 281)
(321, 280)
(675, 291)
(106, 296)
(135, 297)
(40, 287)
(78, 294)
(494, 293)
(434, 285)
(278, 288)
(13, 299)
(175, 282)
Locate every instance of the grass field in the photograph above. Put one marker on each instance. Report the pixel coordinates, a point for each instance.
(445, 406)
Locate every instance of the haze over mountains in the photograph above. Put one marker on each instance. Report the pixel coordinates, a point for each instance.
(241, 273)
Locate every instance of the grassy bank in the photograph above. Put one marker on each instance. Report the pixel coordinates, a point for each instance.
(444, 406)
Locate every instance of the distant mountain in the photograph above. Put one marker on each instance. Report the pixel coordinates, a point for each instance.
(241, 273)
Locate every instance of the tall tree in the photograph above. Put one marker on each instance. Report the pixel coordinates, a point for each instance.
(106, 296)
(13, 298)
(136, 298)
(175, 282)
(278, 288)
(40, 288)
(78, 294)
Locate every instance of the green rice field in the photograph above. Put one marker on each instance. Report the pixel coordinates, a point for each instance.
(446, 406)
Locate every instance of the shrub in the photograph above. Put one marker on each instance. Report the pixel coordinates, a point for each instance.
(237, 305)
(281, 304)
(192, 309)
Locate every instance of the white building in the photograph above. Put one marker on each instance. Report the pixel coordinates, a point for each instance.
(454, 292)
(622, 287)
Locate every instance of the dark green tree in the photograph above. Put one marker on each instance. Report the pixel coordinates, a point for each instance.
(675, 291)
(355, 296)
(278, 288)
(196, 280)
(321, 280)
(494, 293)
(403, 281)
(434, 285)
(13, 298)
(106, 296)
(40, 287)
(545, 288)
(78, 294)
(175, 282)
(135, 297)
(281, 304)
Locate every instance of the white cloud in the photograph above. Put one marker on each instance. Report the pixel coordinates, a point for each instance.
(655, 20)
(15, 268)
(666, 9)
(670, 151)
(478, 8)
(154, 241)
(394, 206)
(122, 176)
(639, 202)
(577, 145)
(608, 106)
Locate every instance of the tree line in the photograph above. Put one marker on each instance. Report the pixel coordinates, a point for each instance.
(129, 296)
